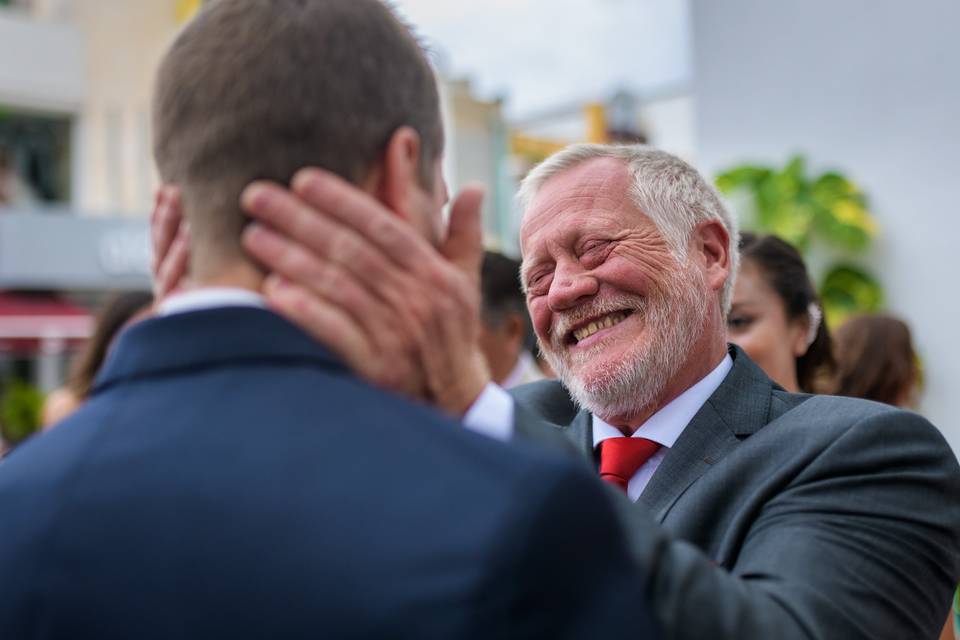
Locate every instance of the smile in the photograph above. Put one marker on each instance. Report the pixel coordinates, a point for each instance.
(605, 322)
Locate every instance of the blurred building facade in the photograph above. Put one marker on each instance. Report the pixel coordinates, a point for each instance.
(76, 175)
(477, 151)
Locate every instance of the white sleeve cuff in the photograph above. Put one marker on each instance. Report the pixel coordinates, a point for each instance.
(491, 414)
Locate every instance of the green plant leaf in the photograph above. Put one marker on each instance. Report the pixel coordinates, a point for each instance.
(780, 206)
(796, 169)
(20, 411)
(847, 290)
(842, 217)
(741, 177)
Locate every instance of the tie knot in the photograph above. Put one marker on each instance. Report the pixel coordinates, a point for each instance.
(621, 457)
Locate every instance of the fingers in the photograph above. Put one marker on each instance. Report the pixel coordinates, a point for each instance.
(172, 271)
(170, 239)
(324, 278)
(464, 243)
(360, 211)
(165, 222)
(329, 324)
(336, 329)
(306, 230)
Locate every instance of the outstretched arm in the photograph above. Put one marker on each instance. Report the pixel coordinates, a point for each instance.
(401, 313)
(365, 283)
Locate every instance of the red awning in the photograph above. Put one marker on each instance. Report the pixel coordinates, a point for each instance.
(28, 321)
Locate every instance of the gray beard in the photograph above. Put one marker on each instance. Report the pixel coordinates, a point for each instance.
(633, 384)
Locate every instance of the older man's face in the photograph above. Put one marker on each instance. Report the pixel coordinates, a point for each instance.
(614, 311)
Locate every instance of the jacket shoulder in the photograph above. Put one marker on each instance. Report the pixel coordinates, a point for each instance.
(547, 399)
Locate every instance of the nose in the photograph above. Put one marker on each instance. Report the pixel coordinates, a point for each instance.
(571, 285)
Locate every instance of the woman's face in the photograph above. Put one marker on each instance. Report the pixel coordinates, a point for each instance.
(758, 324)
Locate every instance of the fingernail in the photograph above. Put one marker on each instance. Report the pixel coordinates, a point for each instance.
(275, 283)
(253, 232)
(304, 179)
(254, 196)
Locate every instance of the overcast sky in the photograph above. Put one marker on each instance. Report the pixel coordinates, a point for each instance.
(540, 54)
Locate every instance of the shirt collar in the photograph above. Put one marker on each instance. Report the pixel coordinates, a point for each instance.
(524, 371)
(666, 425)
(210, 298)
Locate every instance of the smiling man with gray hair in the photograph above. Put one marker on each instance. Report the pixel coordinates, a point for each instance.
(754, 512)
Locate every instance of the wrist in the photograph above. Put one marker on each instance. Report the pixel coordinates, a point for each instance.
(463, 391)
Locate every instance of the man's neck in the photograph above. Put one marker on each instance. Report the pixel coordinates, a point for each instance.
(700, 362)
(239, 276)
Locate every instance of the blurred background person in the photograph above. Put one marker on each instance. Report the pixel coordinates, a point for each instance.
(542, 363)
(14, 190)
(505, 336)
(876, 360)
(117, 313)
(776, 316)
(4, 177)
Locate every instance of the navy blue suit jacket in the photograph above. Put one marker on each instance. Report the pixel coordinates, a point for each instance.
(230, 479)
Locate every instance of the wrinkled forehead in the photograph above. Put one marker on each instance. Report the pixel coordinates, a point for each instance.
(597, 190)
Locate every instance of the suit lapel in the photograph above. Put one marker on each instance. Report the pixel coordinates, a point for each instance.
(739, 407)
(580, 432)
(704, 441)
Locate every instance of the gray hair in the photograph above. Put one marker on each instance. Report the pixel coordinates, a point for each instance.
(665, 188)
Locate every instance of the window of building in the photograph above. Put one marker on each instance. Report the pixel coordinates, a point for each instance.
(34, 159)
(24, 5)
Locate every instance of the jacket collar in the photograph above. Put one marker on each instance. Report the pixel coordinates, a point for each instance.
(737, 409)
(210, 337)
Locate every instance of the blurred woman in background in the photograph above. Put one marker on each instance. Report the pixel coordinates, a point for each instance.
(876, 360)
(116, 314)
(776, 316)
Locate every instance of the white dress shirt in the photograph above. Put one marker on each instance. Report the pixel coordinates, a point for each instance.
(492, 415)
(666, 425)
(210, 298)
(524, 372)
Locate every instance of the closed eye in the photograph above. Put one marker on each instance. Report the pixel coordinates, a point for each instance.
(738, 323)
(537, 283)
(594, 252)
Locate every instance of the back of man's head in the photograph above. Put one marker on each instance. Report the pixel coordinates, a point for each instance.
(500, 285)
(506, 328)
(258, 89)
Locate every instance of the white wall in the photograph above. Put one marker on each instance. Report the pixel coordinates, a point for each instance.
(871, 88)
(670, 124)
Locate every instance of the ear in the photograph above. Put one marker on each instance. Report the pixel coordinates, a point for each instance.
(515, 328)
(397, 179)
(799, 330)
(712, 249)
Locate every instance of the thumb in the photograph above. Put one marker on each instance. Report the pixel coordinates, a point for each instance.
(464, 243)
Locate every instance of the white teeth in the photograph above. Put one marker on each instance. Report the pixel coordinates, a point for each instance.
(593, 327)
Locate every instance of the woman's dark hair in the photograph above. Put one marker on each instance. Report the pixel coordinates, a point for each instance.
(875, 359)
(782, 266)
(114, 314)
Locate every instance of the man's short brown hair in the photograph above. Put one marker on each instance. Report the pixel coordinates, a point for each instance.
(257, 89)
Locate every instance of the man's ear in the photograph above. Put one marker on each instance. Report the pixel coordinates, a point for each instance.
(516, 328)
(712, 250)
(398, 176)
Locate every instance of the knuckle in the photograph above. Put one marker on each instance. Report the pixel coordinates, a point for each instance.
(342, 248)
(384, 229)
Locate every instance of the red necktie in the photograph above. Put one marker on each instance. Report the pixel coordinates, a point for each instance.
(621, 457)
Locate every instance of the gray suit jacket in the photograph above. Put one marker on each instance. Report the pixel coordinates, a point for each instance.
(779, 515)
